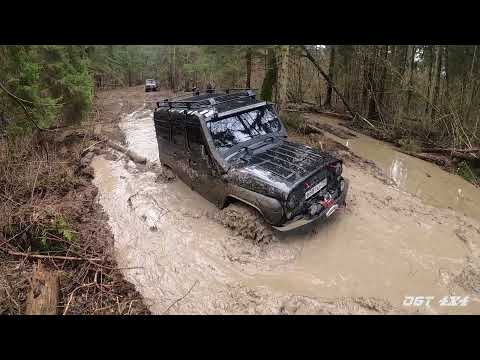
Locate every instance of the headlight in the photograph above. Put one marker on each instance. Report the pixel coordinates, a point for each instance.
(294, 200)
(342, 185)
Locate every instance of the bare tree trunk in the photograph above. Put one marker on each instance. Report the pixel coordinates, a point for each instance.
(383, 80)
(382, 98)
(447, 77)
(429, 85)
(436, 88)
(300, 79)
(327, 78)
(282, 76)
(270, 76)
(173, 80)
(328, 97)
(403, 57)
(366, 65)
(371, 86)
(249, 67)
(473, 87)
(410, 76)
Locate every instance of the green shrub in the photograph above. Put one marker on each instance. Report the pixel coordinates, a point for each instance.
(52, 82)
(293, 120)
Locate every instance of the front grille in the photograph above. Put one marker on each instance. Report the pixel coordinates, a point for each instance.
(331, 187)
(299, 192)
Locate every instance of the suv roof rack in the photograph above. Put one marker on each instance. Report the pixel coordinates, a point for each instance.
(207, 101)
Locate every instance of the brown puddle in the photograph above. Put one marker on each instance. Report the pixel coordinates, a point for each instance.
(415, 176)
(387, 244)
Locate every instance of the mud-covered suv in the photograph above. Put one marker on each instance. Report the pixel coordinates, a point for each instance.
(233, 149)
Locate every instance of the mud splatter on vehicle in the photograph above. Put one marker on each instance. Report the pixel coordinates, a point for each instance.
(231, 147)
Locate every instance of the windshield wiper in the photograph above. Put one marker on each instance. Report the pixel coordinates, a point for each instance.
(248, 149)
(262, 144)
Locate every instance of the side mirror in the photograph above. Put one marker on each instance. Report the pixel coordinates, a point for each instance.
(272, 107)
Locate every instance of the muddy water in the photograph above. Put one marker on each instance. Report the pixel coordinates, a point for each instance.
(140, 133)
(386, 245)
(420, 178)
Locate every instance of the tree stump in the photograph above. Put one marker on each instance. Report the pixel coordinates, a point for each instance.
(43, 296)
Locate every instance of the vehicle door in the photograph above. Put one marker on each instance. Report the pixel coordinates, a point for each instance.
(204, 177)
(178, 149)
(163, 134)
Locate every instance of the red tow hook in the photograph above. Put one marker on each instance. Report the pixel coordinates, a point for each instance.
(327, 203)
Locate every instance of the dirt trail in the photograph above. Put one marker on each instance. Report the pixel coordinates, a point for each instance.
(389, 243)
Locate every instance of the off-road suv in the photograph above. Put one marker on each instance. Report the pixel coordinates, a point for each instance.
(150, 85)
(233, 149)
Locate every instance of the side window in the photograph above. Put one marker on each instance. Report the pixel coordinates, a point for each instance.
(194, 137)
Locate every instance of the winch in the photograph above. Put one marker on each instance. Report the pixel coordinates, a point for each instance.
(327, 201)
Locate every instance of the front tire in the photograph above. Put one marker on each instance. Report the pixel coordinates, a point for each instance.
(247, 222)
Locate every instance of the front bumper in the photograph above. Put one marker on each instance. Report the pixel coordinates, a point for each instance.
(296, 223)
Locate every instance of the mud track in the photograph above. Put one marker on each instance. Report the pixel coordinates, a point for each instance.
(387, 244)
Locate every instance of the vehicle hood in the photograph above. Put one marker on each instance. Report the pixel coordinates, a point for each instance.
(276, 169)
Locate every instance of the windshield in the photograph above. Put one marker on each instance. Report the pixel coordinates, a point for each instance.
(233, 130)
(150, 81)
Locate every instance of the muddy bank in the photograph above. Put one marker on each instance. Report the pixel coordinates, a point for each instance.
(51, 216)
(390, 242)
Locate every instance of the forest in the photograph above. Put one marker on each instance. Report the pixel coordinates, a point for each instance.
(420, 99)
(426, 90)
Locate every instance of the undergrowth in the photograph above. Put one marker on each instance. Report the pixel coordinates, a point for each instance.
(48, 213)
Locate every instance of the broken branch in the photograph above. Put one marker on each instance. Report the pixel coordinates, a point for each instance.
(38, 256)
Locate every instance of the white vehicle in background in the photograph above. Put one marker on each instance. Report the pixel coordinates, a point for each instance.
(150, 85)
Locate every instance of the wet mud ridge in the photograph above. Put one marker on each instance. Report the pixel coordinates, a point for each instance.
(387, 244)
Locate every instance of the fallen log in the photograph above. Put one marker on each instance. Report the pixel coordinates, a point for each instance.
(307, 128)
(306, 107)
(337, 131)
(440, 160)
(132, 155)
(310, 57)
(313, 129)
(39, 256)
(463, 151)
(42, 298)
(336, 115)
(464, 154)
